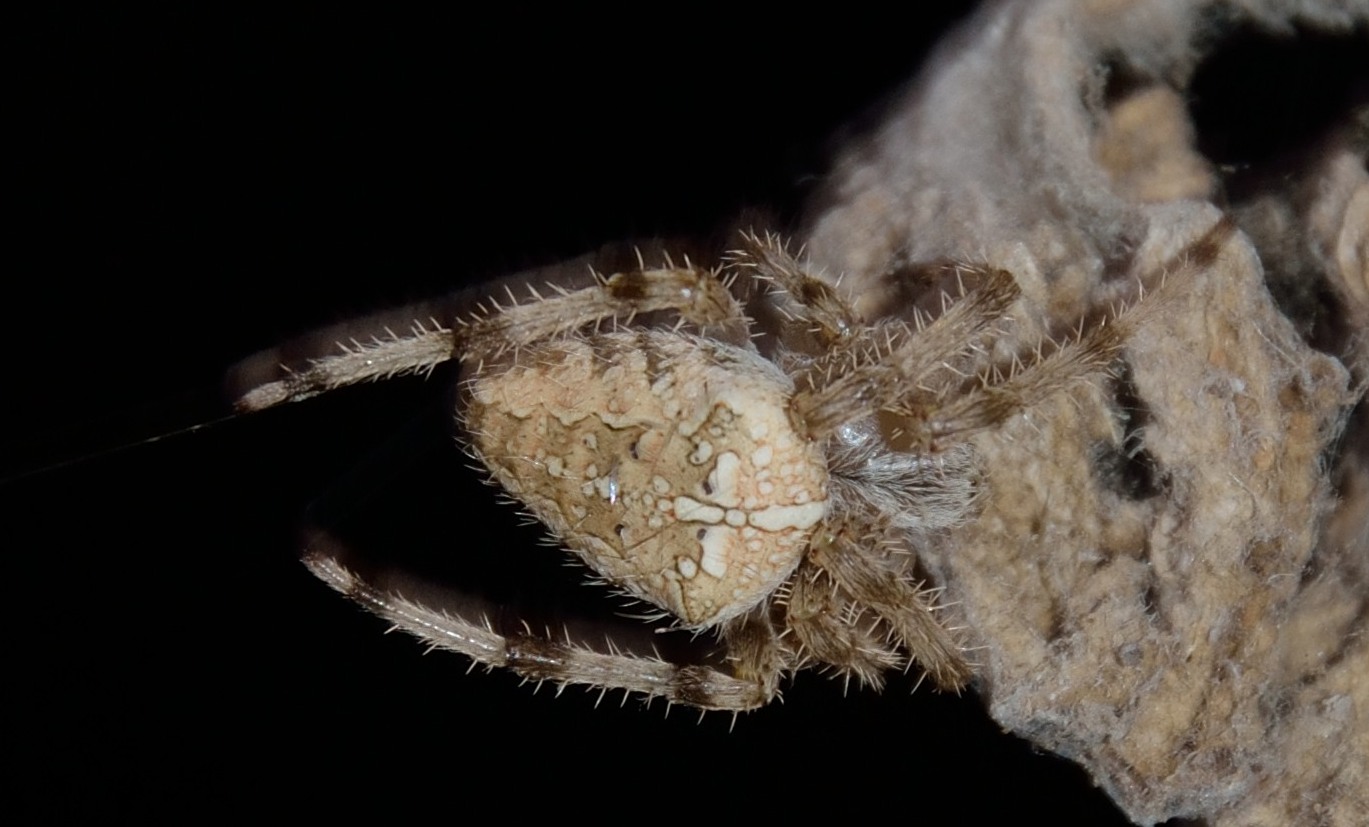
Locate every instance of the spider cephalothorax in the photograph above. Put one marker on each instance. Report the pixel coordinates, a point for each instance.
(755, 494)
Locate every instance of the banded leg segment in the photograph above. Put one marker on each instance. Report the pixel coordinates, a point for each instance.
(423, 349)
(696, 294)
(932, 417)
(830, 630)
(852, 558)
(903, 363)
(833, 319)
(539, 658)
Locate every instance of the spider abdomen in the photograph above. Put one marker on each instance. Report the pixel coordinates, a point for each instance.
(669, 462)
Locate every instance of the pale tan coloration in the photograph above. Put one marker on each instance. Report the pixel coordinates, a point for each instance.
(1165, 574)
(758, 497)
(708, 495)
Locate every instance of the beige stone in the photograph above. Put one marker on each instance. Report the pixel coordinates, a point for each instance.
(1170, 575)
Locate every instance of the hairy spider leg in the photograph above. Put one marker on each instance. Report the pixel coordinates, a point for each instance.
(932, 412)
(539, 657)
(700, 299)
(854, 553)
(832, 320)
(696, 294)
(859, 388)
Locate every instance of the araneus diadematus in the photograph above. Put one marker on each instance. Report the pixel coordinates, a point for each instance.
(749, 494)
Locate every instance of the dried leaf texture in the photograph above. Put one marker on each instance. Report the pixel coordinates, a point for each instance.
(1170, 573)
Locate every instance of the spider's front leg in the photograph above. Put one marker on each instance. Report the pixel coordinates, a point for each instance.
(937, 379)
(860, 368)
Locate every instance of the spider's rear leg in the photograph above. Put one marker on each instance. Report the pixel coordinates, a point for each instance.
(424, 348)
(498, 325)
(755, 650)
(540, 658)
(696, 294)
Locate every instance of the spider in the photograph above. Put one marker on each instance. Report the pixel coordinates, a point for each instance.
(751, 494)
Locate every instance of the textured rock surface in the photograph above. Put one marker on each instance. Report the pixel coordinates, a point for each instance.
(1170, 577)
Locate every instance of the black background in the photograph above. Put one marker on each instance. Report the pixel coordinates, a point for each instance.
(196, 186)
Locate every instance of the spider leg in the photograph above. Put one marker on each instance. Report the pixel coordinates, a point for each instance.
(931, 376)
(991, 401)
(855, 557)
(1087, 353)
(423, 349)
(823, 330)
(833, 319)
(755, 650)
(540, 658)
(829, 631)
(696, 294)
(900, 364)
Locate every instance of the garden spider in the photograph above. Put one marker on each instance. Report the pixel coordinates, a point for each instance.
(756, 497)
